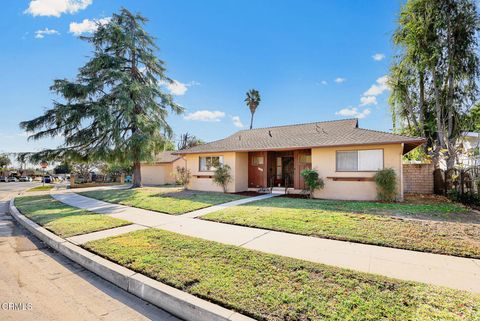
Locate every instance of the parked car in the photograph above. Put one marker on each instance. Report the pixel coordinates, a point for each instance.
(47, 179)
(12, 179)
(25, 179)
(4, 179)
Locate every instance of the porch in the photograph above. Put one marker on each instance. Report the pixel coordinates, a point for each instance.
(279, 170)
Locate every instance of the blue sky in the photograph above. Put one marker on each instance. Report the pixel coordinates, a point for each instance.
(311, 60)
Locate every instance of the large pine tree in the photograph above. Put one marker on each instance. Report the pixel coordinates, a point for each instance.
(115, 110)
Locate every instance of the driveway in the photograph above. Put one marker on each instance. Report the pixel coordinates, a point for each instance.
(47, 286)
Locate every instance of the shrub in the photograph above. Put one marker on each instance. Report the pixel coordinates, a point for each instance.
(471, 199)
(183, 176)
(386, 181)
(312, 180)
(222, 176)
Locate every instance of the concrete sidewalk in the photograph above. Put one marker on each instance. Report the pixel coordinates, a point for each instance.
(219, 207)
(454, 272)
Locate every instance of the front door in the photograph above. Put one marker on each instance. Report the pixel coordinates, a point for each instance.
(288, 170)
(257, 169)
(303, 161)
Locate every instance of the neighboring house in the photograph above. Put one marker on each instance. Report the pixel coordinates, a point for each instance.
(346, 157)
(162, 170)
(470, 150)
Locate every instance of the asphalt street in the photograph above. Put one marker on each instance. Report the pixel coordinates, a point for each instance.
(36, 283)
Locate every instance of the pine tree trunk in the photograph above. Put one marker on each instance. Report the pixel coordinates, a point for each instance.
(137, 175)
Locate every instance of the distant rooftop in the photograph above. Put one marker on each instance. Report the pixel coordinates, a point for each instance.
(165, 157)
(317, 134)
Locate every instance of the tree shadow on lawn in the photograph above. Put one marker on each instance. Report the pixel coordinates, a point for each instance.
(62, 219)
(51, 209)
(435, 211)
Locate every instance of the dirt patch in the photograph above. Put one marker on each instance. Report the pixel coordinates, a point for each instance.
(183, 193)
(426, 199)
(304, 196)
(249, 193)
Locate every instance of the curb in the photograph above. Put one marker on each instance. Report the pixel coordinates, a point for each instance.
(177, 302)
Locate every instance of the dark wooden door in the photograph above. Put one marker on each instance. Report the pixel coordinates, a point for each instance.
(257, 169)
(303, 160)
(288, 169)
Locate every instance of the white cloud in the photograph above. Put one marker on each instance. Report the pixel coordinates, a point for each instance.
(378, 88)
(193, 83)
(368, 100)
(177, 88)
(353, 112)
(383, 80)
(324, 82)
(340, 80)
(205, 115)
(237, 121)
(87, 26)
(378, 56)
(39, 34)
(56, 8)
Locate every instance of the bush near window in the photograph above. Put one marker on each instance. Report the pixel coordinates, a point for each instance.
(312, 180)
(222, 176)
(183, 176)
(386, 181)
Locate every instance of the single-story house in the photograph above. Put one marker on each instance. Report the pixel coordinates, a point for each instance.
(346, 157)
(162, 170)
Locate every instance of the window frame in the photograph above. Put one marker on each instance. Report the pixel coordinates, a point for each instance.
(220, 161)
(258, 163)
(359, 171)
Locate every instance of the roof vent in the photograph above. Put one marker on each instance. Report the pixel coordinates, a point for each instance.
(270, 133)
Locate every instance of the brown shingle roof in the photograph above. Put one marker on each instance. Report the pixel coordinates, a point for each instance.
(165, 157)
(319, 134)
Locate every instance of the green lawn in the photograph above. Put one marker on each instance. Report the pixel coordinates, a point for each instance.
(168, 199)
(336, 220)
(62, 219)
(270, 287)
(41, 188)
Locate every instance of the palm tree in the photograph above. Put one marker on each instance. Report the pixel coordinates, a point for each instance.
(252, 100)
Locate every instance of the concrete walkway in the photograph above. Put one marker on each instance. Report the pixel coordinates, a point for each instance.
(454, 272)
(220, 207)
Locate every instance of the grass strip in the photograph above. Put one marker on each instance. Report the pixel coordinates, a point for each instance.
(62, 219)
(271, 287)
(170, 200)
(326, 219)
(41, 188)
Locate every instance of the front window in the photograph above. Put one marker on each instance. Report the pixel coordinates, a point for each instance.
(360, 160)
(305, 159)
(279, 168)
(257, 160)
(209, 163)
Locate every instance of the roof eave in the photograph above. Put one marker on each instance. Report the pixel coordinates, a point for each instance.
(411, 143)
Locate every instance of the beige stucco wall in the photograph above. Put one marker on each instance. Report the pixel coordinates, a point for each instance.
(157, 174)
(324, 161)
(237, 161)
(241, 172)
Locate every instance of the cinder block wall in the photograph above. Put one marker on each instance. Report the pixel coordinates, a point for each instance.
(418, 178)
